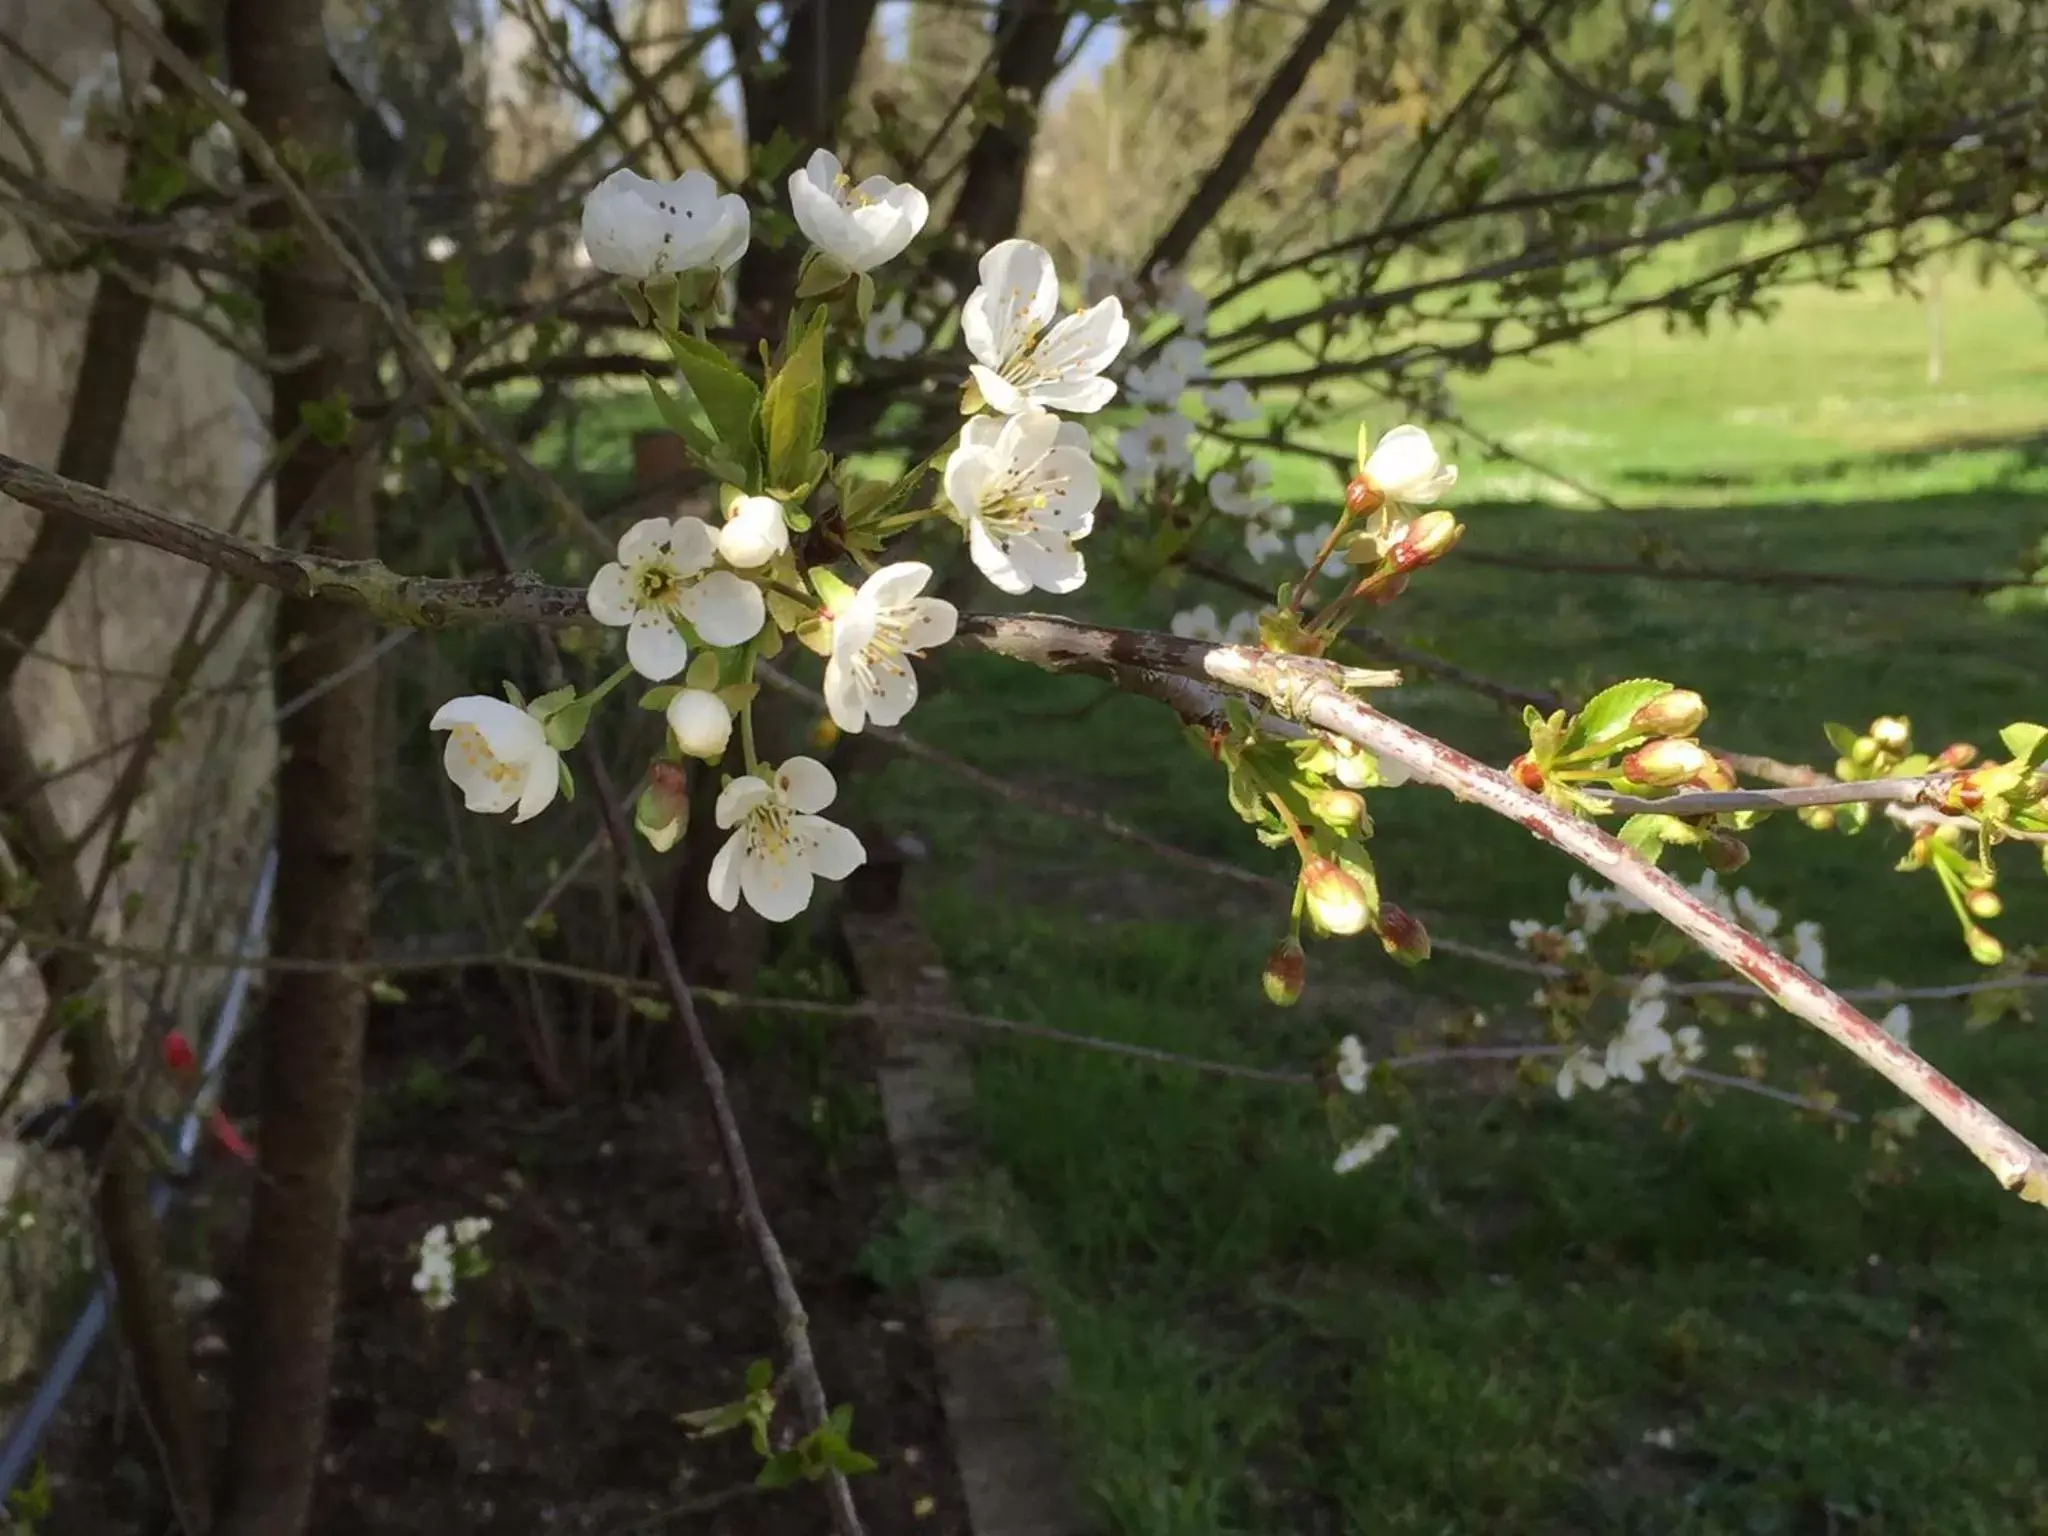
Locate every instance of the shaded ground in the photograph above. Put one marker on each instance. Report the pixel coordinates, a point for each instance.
(619, 1294)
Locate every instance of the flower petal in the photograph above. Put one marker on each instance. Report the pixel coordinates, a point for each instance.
(725, 609)
(834, 852)
(647, 539)
(739, 797)
(467, 771)
(894, 694)
(511, 734)
(805, 784)
(543, 782)
(932, 621)
(846, 700)
(1018, 296)
(894, 585)
(1050, 566)
(778, 889)
(692, 543)
(655, 647)
(724, 879)
(611, 596)
(993, 561)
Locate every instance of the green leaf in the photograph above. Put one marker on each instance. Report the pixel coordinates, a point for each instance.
(779, 1470)
(568, 784)
(679, 420)
(793, 408)
(821, 275)
(1841, 737)
(658, 699)
(731, 401)
(512, 693)
(760, 1375)
(832, 589)
(702, 674)
(1605, 718)
(1648, 833)
(705, 1422)
(846, 1459)
(2026, 742)
(329, 420)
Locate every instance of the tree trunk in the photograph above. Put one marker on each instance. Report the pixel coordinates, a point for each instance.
(312, 1027)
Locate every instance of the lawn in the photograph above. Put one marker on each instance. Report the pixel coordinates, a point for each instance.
(1640, 1312)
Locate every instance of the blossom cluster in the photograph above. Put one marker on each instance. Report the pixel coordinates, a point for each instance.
(699, 601)
(448, 1255)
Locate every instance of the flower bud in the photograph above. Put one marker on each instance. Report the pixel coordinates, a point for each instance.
(1957, 754)
(824, 733)
(1892, 734)
(1819, 817)
(1402, 935)
(1360, 496)
(1918, 852)
(1336, 901)
(1716, 774)
(1524, 771)
(1725, 853)
(754, 533)
(663, 808)
(1985, 904)
(1966, 794)
(1679, 712)
(1667, 762)
(1338, 809)
(1864, 752)
(1984, 949)
(1427, 540)
(1286, 970)
(702, 723)
(1388, 590)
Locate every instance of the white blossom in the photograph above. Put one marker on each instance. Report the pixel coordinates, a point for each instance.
(1540, 938)
(1687, 1047)
(754, 533)
(1026, 488)
(891, 335)
(1230, 401)
(498, 756)
(443, 1258)
(1310, 544)
(701, 722)
(663, 574)
(1898, 1024)
(1643, 1040)
(1156, 444)
(868, 676)
(779, 845)
(1180, 297)
(1755, 912)
(860, 227)
(1241, 492)
(1353, 1069)
(1018, 362)
(636, 227)
(1201, 623)
(1406, 469)
(1169, 375)
(1366, 1148)
(1581, 1069)
(1596, 905)
(440, 247)
(1809, 953)
(1263, 538)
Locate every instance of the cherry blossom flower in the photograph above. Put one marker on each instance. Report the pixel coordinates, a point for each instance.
(1581, 1069)
(1155, 444)
(701, 722)
(1241, 492)
(1407, 471)
(755, 532)
(1230, 401)
(498, 756)
(1809, 953)
(891, 335)
(1310, 544)
(1169, 375)
(868, 676)
(635, 227)
(1018, 362)
(664, 574)
(780, 846)
(1366, 1148)
(1898, 1023)
(860, 227)
(1026, 488)
(1353, 1069)
(1180, 297)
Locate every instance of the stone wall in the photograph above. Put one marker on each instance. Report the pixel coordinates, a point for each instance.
(194, 443)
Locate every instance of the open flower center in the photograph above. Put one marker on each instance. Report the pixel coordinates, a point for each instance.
(849, 195)
(769, 835)
(1013, 505)
(476, 752)
(656, 585)
(884, 652)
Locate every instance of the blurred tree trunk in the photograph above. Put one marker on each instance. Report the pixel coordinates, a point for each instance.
(311, 1031)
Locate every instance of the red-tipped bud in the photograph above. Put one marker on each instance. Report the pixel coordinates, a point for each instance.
(1725, 853)
(1966, 794)
(178, 1054)
(1286, 971)
(1338, 809)
(1957, 754)
(1986, 904)
(1984, 949)
(1667, 762)
(1524, 771)
(1716, 775)
(663, 809)
(1336, 901)
(1427, 540)
(1402, 935)
(1680, 712)
(1893, 734)
(1360, 496)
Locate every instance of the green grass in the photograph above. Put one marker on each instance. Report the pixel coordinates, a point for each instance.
(1478, 1332)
